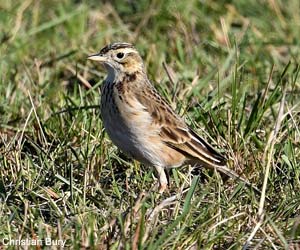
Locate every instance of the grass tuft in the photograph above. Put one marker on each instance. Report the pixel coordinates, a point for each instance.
(231, 68)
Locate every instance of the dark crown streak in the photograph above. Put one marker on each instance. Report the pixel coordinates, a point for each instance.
(114, 46)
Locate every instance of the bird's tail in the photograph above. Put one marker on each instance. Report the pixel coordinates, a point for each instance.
(224, 170)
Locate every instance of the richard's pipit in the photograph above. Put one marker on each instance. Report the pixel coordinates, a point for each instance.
(141, 123)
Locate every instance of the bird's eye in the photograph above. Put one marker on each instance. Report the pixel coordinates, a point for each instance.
(120, 55)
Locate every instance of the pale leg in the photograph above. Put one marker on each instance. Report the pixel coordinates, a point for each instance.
(163, 182)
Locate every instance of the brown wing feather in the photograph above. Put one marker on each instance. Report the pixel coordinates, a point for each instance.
(177, 135)
(175, 132)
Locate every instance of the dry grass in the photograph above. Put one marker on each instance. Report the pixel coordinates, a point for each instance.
(235, 76)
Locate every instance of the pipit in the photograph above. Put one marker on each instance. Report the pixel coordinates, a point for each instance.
(142, 124)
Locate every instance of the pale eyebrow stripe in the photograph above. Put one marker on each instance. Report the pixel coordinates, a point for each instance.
(127, 50)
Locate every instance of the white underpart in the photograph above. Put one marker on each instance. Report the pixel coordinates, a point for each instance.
(131, 133)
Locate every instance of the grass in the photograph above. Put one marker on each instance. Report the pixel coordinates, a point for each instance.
(235, 77)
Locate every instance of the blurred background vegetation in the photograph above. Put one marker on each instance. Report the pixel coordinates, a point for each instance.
(232, 63)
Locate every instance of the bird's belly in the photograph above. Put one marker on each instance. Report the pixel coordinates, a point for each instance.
(131, 128)
(120, 135)
(140, 142)
(130, 135)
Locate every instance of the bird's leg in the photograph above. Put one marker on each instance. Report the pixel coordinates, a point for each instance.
(163, 181)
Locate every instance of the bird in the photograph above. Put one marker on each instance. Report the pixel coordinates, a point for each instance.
(142, 124)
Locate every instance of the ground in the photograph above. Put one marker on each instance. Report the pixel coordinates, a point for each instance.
(229, 67)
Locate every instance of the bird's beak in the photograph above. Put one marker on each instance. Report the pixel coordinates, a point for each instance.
(97, 57)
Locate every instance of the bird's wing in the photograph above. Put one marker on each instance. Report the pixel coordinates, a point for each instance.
(175, 132)
(177, 135)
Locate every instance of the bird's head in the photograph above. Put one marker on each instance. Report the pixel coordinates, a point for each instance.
(119, 57)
